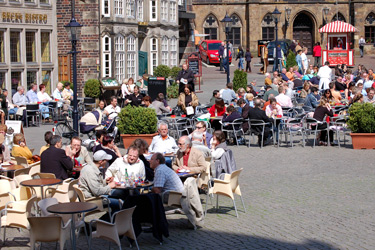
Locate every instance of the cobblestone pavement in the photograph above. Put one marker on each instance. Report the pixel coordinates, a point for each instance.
(296, 198)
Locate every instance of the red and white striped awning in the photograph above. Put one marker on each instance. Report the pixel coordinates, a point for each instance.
(337, 27)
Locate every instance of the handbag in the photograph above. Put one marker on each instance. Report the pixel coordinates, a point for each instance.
(189, 110)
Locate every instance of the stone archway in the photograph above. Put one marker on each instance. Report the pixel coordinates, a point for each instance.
(303, 30)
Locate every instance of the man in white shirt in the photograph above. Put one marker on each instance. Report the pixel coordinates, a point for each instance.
(283, 99)
(112, 109)
(325, 76)
(305, 61)
(163, 143)
(57, 94)
(130, 163)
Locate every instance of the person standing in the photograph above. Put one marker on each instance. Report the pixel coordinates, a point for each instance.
(221, 53)
(248, 57)
(240, 56)
(185, 76)
(317, 53)
(305, 61)
(325, 76)
(362, 43)
(265, 59)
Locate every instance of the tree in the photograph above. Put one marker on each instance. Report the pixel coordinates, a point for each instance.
(291, 60)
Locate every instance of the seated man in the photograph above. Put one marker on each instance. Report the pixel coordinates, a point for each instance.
(269, 91)
(197, 141)
(312, 99)
(54, 160)
(165, 178)
(82, 155)
(112, 109)
(163, 143)
(32, 97)
(336, 94)
(257, 113)
(19, 103)
(201, 126)
(128, 165)
(283, 99)
(67, 93)
(189, 158)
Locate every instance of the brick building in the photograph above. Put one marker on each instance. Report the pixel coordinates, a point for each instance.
(253, 20)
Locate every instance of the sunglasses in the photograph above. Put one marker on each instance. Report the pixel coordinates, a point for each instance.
(199, 127)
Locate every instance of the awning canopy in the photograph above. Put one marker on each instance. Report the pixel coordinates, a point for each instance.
(337, 27)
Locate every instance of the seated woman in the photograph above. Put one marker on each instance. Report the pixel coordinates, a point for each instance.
(321, 111)
(20, 148)
(250, 90)
(108, 145)
(240, 93)
(47, 138)
(218, 145)
(218, 109)
(327, 94)
(187, 99)
(159, 106)
(146, 101)
(358, 98)
(273, 110)
(305, 90)
(250, 100)
(4, 149)
(135, 99)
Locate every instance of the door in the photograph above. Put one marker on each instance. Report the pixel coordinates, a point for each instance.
(305, 39)
(303, 27)
(64, 68)
(142, 63)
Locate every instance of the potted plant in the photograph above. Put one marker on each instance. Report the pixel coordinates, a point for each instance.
(173, 74)
(362, 124)
(92, 91)
(137, 122)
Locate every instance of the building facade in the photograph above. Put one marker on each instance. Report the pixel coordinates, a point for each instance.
(252, 20)
(27, 39)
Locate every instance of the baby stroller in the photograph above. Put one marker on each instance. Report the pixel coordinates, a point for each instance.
(91, 122)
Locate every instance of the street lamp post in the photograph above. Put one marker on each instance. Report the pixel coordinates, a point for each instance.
(73, 31)
(325, 14)
(276, 17)
(227, 21)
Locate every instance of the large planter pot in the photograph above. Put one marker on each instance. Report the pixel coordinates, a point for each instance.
(363, 140)
(128, 139)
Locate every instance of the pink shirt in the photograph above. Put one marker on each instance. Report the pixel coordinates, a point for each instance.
(284, 100)
(270, 112)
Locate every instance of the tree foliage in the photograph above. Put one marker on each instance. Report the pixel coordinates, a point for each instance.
(362, 118)
(137, 120)
(239, 79)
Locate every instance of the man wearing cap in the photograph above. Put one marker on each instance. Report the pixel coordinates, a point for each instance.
(91, 180)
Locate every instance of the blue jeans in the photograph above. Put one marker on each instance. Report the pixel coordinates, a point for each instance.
(241, 63)
(225, 61)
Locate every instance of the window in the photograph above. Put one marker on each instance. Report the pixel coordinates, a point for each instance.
(120, 58)
(106, 69)
(173, 53)
(130, 8)
(140, 10)
(15, 47)
(130, 62)
(46, 80)
(210, 27)
(268, 27)
(16, 81)
(164, 51)
(2, 59)
(45, 47)
(44, 1)
(119, 7)
(2, 80)
(172, 11)
(212, 32)
(29, 1)
(30, 78)
(338, 17)
(153, 10)
(370, 34)
(235, 36)
(154, 54)
(164, 10)
(106, 8)
(30, 46)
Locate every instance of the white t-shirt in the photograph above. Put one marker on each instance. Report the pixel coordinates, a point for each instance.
(113, 112)
(43, 96)
(136, 169)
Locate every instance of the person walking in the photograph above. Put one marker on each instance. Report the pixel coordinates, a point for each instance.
(240, 56)
(248, 57)
(317, 53)
(362, 43)
(221, 53)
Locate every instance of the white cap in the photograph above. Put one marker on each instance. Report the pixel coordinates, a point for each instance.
(102, 155)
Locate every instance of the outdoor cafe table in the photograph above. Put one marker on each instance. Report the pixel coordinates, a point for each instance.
(41, 183)
(72, 208)
(9, 169)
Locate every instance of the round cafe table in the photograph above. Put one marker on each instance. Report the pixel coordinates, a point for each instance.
(9, 169)
(72, 208)
(41, 183)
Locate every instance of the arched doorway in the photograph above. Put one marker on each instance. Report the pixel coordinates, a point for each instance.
(303, 27)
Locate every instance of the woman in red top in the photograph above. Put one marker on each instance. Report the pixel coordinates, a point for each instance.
(218, 109)
(317, 53)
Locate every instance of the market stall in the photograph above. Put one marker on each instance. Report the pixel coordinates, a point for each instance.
(338, 43)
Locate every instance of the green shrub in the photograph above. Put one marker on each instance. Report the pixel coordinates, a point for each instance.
(162, 71)
(172, 91)
(239, 79)
(92, 88)
(70, 83)
(362, 118)
(174, 72)
(137, 120)
(291, 60)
